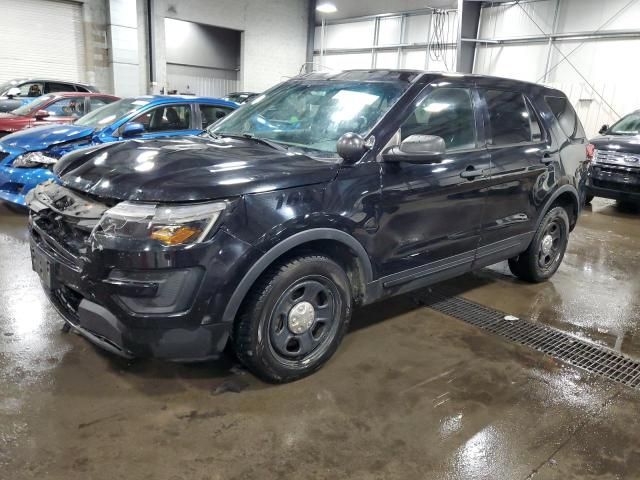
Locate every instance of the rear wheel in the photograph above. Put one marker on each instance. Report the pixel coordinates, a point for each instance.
(546, 251)
(294, 319)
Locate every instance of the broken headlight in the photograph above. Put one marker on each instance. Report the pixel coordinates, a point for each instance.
(33, 160)
(167, 224)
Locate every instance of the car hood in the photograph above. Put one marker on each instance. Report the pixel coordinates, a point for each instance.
(41, 138)
(620, 143)
(188, 169)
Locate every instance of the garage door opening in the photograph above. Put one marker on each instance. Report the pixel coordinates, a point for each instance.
(201, 59)
(42, 38)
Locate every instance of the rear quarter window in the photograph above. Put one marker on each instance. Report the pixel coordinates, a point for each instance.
(567, 117)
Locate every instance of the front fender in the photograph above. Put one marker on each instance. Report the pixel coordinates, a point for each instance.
(287, 245)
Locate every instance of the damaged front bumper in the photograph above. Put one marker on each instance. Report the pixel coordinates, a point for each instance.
(16, 183)
(161, 303)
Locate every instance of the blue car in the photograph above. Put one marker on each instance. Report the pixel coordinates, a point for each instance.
(27, 157)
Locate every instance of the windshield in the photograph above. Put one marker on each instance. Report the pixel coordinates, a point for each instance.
(629, 125)
(105, 116)
(31, 107)
(7, 85)
(313, 115)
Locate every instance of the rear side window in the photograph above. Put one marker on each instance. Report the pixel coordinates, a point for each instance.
(97, 102)
(512, 118)
(212, 113)
(52, 87)
(565, 114)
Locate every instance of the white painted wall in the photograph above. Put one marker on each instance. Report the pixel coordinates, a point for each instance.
(611, 66)
(359, 34)
(274, 38)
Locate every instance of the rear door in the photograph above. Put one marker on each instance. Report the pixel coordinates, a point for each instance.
(519, 148)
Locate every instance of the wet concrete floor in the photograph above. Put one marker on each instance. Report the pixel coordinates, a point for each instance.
(411, 393)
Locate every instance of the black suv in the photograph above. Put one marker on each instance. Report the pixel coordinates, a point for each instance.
(324, 193)
(615, 161)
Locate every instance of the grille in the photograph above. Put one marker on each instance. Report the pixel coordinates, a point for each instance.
(563, 346)
(3, 155)
(616, 158)
(66, 235)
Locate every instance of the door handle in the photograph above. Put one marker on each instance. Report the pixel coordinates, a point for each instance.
(471, 173)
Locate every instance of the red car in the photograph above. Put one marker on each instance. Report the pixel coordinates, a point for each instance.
(52, 108)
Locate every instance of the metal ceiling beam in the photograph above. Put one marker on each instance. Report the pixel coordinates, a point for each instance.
(584, 35)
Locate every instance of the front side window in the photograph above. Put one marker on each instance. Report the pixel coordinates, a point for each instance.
(31, 89)
(211, 114)
(166, 118)
(67, 107)
(105, 116)
(313, 115)
(445, 113)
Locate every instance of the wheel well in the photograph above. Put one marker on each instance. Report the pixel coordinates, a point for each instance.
(339, 252)
(568, 201)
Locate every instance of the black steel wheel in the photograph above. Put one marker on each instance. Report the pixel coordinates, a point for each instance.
(552, 243)
(303, 321)
(546, 251)
(294, 318)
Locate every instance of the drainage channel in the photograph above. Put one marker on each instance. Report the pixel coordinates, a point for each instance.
(563, 346)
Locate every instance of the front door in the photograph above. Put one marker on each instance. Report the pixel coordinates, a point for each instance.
(432, 211)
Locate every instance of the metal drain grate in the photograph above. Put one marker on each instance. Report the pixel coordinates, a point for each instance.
(561, 345)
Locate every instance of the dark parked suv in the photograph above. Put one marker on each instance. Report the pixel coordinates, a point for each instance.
(615, 161)
(326, 192)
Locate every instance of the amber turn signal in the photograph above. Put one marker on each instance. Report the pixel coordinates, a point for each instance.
(174, 235)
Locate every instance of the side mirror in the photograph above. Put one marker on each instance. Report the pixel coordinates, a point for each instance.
(42, 114)
(603, 129)
(417, 149)
(13, 92)
(132, 129)
(351, 147)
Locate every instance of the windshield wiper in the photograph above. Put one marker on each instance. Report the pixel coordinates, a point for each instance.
(251, 136)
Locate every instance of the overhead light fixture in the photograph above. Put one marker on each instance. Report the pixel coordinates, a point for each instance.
(327, 8)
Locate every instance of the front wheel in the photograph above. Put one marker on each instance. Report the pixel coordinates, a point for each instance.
(294, 319)
(546, 251)
(588, 198)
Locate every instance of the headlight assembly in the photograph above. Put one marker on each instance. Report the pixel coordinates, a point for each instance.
(33, 160)
(166, 224)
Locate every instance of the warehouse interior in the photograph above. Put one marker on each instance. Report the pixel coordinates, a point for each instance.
(482, 375)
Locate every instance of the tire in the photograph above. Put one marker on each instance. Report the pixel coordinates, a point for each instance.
(546, 251)
(294, 318)
(588, 198)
